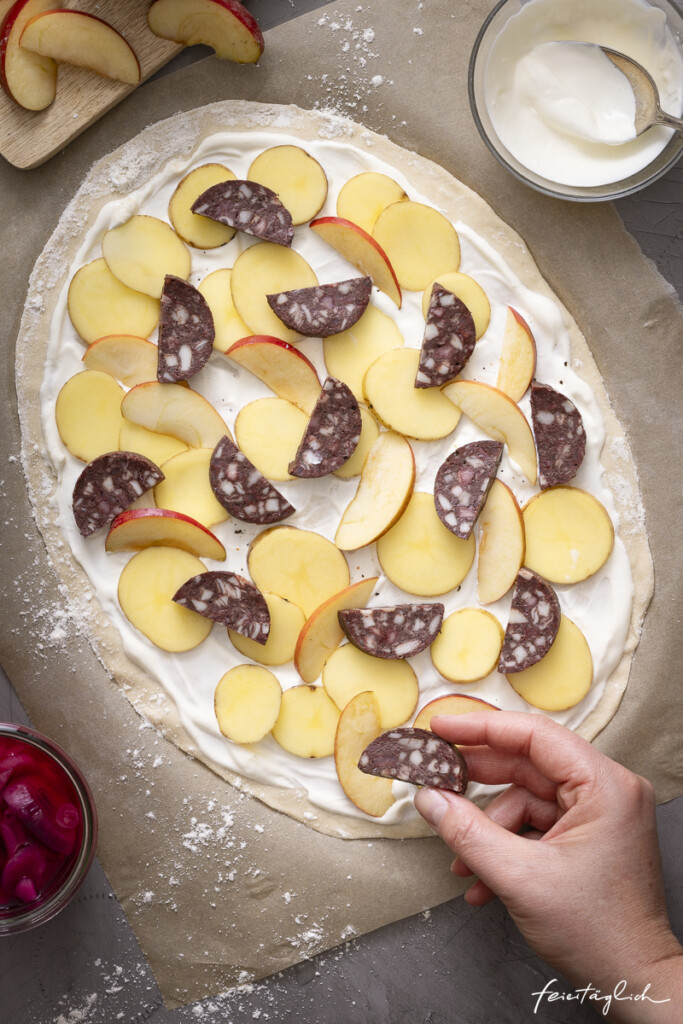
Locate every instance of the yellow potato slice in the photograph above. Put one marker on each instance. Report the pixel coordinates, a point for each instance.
(186, 487)
(88, 414)
(296, 177)
(364, 196)
(470, 293)
(307, 723)
(569, 535)
(286, 622)
(123, 356)
(389, 389)
(369, 433)
(264, 269)
(348, 672)
(451, 704)
(157, 447)
(349, 353)
(228, 324)
(247, 703)
(419, 241)
(199, 232)
(99, 305)
(563, 677)
(269, 431)
(359, 724)
(299, 565)
(468, 645)
(141, 251)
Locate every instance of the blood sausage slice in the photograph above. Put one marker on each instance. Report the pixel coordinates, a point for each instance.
(249, 207)
(324, 309)
(332, 434)
(400, 631)
(242, 490)
(532, 624)
(186, 331)
(448, 340)
(230, 599)
(559, 435)
(109, 485)
(463, 482)
(417, 756)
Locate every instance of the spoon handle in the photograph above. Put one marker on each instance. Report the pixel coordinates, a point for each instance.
(669, 120)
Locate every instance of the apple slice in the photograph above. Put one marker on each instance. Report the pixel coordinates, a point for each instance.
(247, 703)
(186, 487)
(364, 196)
(348, 672)
(75, 37)
(368, 435)
(451, 704)
(286, 622)
(269, 431)
(139, 528)
(359, 724)
(420, 555)
(176, 410)
(501, 543)
(264, 269)
(361, 250)
(307, 723)
(295, 176)
(518, 356)
(499, 417)
(99, 305)
(384, 489)
(123, 356)
(468, 647)
(281, 367)
(470, 294)
(389, 389)
(299, 565)
(224, 25)
(28, 78)
(142, 251)
(563, 677)
(419, 242)
(199, 232)
(157, 447)
(88, 414)
(569, 534)
(146, 588)
(321, 632)
(227, 322)
(349, 354)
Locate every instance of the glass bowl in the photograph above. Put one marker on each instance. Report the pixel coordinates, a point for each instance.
(493, 25)
(55, 769)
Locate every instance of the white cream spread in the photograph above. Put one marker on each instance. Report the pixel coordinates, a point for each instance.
(600, 606)
(563, 110)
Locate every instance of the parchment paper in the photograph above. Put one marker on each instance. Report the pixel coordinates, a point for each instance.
(217, 888)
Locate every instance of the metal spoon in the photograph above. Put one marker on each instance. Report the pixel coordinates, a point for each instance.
(648, 110)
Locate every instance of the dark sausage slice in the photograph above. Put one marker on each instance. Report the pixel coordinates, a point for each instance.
(324, 309)
(109, 485)
(249, 207)
(463, 482)
(230, 599)
(400, 631)
(242, 490)
(186, 331)
(417, 756)
(332, 434)
(532, 624)
(448, 340)
(559, 435)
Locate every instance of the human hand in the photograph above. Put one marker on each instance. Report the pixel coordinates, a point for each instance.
(588, 895)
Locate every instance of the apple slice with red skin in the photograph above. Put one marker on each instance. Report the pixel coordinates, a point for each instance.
(27, 78)
(139, 528)
(75, 37)
(517, 357)
(281, 367)
(224, 25)
(450, 704)
(321, 632)
(361, 250)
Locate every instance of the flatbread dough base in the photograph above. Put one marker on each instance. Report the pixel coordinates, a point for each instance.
(126, 169)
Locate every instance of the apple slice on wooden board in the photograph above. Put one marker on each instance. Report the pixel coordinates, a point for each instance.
(470, 293)
(359, 724)
(321, 633)
(299, 565)
(348, 672)
(286, 622)
(157, 447)
(499, 417)
(361, 250)
(28, 78)
(186, 487)
(563, 677)
(419, 242)
(197, 231)
(468, 647)
(451, 704)
(295, 176)
(247, 703)
(264, 269)
(142, 251)
(368, 435)
(389, 389)
(75, 37)
(307, 723)
(517, 358)
(501, 543)
(146, 588)
(176, 410)
(569, 534)
(349, 354)
(269, 431)
(88, 414)
(384, 488)
(281, 367)
(100, 305)
(420, 555)
(123, 356)
(224, 25)
(227, 322)
(363, 197)
(140, 528)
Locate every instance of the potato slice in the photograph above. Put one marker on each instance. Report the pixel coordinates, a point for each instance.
(349, 354)
(469, 292)
(468, 647)
(389, 389)
(186, 487)
(157, 447)
(569, 535)
(141, 251)
(228, 324)
(563, 677)
(125, 357)
(99, 305)
(419, 241)
(451, 704)
(269, 431)
(88, 414)
(368, 435)
(247, 703)
(299, 565)
(420, 555)
(146, 588)
(264, 269)
(501, 543)
(286, 622)
(307, 723)
(176, 410)
(384, 488)
(199, 232)
(296, 177)
(518, 356)
(359, 724)
(364, 196)
(348, 672)
(321, 633)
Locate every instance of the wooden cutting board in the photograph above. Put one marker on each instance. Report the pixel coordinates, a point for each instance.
(28, 138)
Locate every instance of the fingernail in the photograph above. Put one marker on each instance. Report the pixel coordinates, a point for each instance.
(432, 805)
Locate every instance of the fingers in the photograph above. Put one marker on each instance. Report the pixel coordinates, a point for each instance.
(493, 768)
